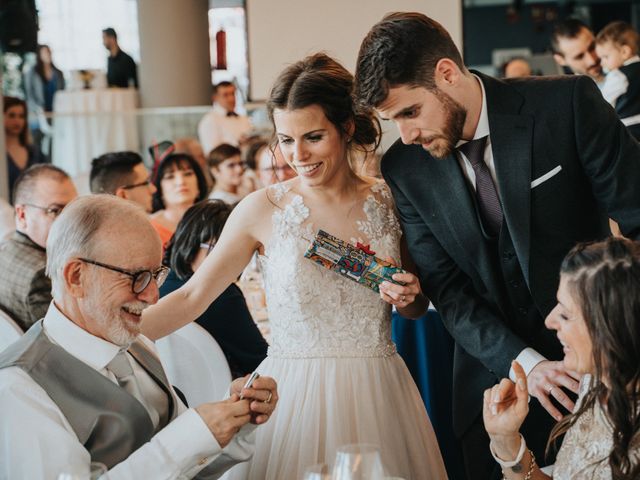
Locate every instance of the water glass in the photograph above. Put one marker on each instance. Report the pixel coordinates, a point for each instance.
(358, 462)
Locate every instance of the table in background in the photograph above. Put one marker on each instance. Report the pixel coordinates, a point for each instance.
(427, 349)
(88, 123)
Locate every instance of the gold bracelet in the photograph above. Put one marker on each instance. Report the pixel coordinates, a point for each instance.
(532, 466)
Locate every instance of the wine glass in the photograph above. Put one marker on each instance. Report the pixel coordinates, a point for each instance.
(96, 471)
(321, 471)
(359, 461)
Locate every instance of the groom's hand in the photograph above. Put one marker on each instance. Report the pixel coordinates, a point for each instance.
(545, 380)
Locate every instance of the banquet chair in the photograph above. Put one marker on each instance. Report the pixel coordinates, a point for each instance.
(195, 364)
(9, 330)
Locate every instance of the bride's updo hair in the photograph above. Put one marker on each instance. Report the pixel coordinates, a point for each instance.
(320, 80)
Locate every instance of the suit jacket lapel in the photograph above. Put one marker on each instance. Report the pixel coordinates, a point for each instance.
(511, 144)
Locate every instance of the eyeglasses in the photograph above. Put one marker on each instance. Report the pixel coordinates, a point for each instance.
(140, 279)
(52, 211)
(232, 165)
(146, 183)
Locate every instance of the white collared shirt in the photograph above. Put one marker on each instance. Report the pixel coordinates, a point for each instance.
(528, 357)
(37, 441)
(216, 128)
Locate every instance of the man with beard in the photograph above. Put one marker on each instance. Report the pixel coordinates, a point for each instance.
(494, 182)
(83, 385)
(574, 47)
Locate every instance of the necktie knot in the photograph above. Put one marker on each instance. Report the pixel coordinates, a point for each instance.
(120, 366)
(474, 150)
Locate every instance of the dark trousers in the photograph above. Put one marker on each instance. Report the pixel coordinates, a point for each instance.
(478, 462)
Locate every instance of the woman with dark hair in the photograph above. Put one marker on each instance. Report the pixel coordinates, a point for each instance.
(41, 84)
(227, 319)
(596, 320)
(21, 153)
(340, 378)
(179, 184)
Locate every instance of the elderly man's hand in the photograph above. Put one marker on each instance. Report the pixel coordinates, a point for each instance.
(263, 392)
(225, 418)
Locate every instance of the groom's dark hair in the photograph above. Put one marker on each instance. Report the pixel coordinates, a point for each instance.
(402, 49)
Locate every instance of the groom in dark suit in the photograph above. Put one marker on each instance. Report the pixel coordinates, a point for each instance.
(494, 182)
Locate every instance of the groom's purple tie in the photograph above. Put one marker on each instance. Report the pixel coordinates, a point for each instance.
(486, 194)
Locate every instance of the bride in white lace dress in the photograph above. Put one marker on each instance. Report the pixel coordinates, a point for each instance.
(340, 380)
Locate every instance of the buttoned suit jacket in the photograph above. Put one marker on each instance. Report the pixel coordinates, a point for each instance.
(564, 163)
(25, 289)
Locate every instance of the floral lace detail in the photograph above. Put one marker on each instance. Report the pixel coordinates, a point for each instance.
(586, 447)
(314, 312)
(278, 190)
(381, 225)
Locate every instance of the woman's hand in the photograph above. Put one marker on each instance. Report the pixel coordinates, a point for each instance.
(401, 295)
(506, 405)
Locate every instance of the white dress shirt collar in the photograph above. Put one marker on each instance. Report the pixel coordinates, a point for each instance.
(482, 129)
(633, 59)
(219, 110)
(94, 351)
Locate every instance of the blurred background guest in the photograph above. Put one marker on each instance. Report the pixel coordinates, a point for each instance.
(191, 146)
(617, 47)
(21, 152)
(272, 167)
(573, 45)
(226, 168)
(227, 319)
(124, 175)
(41, 84)
(121, 69)
(250, 151)
(41, 193)
(516, 68)
(223, 124)
(179, 184)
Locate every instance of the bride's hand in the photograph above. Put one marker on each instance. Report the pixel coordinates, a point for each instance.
(401, 295)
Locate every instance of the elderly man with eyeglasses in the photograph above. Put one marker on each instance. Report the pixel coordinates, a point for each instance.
(83, 385)
(40, 194)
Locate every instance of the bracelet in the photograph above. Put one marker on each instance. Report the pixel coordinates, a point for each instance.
(532, 466)
(518, 459)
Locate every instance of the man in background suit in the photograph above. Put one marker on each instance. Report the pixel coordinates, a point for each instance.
(40, 194)
(540, 165)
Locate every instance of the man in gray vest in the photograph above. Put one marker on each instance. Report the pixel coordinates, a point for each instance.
(83, 385)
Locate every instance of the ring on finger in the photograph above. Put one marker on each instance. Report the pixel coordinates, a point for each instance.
(402, 298)
(268, 400)
(550, 388)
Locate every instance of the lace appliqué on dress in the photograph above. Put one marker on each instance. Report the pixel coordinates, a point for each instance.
(381, 226)
(586, 447)
(312, 311)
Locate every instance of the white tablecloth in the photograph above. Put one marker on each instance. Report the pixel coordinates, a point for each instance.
(88, 123)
